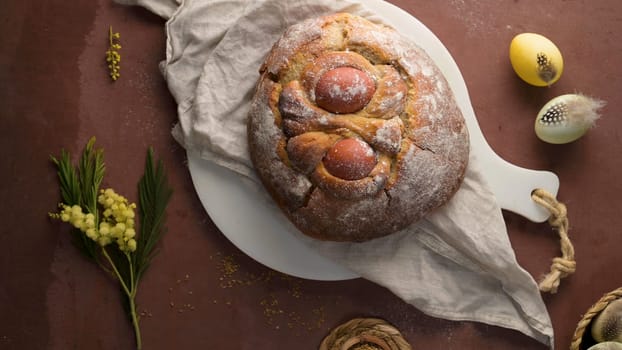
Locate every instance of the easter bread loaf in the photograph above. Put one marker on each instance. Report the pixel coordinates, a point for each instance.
(353, 130)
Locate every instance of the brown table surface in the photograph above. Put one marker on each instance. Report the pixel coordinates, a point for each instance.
(201, 291)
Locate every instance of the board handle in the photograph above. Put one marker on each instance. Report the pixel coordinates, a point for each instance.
(511, 184)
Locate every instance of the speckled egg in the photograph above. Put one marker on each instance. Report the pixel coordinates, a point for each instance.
(607, 325)
(566, 118)
(609, 345)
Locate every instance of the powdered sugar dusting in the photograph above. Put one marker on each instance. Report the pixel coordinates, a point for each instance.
(389, 136)
(357, 88)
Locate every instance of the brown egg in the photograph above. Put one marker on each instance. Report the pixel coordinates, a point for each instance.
(344, 90)
(350, 159)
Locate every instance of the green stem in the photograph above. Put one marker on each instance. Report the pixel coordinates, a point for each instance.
(105, 268)
(134, 284)
(130, 292)
(135, 324)
(116, 271)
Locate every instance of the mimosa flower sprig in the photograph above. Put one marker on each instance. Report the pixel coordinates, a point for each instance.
(104, 221)
(113, 57)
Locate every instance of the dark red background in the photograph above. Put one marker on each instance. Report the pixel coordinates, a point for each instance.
(200, 291)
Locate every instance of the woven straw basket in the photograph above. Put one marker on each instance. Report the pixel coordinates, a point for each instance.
(364, 334)
(582, 338)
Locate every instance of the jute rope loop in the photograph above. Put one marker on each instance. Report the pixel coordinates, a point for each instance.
(586, 320)
(365, 334)
(564, 265)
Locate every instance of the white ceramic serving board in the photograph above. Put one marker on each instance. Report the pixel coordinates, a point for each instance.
(259, 229)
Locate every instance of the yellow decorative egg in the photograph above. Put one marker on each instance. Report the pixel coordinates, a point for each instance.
(536, 59)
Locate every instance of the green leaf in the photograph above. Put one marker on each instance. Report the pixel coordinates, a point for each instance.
(69, 184)
(154, 194)
(91, 169)
(80, 186)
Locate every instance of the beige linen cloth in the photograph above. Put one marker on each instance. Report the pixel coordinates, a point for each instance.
(455, 264)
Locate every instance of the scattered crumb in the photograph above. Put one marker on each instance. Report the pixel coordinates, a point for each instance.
(280, 310)
(178, 293)
(275, 311)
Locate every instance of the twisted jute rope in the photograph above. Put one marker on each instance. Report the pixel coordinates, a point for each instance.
(365, 334)
(564, 265)
(584, 323)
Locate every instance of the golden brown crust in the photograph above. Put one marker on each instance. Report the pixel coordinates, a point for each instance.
(412, 123)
